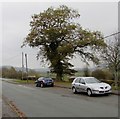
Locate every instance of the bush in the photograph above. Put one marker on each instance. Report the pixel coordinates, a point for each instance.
(14, 74)
(111, 82)
(108, 75)
(86, 72)
(71, 79)
(99, 74)
(102, 74)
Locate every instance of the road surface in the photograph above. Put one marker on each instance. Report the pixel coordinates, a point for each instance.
(7, 111)
(0, 98)
(57, 102)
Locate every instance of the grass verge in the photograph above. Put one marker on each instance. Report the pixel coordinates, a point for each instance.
(23, 81)
(57, 83)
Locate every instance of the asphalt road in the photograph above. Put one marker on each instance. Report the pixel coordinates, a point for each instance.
(57, 102)
(0, 98)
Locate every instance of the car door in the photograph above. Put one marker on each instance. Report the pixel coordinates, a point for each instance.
(77, 84)
(82, 86)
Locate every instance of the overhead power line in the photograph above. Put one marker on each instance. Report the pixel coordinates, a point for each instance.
(11, 58)
(111, 35)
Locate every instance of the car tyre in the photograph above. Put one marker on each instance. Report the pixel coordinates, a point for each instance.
(37, 85)
(74, 90)
(89, 92)
(52, 85)
(41, 85)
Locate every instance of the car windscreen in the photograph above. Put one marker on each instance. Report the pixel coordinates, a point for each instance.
(47, 79)
(91, 80)
(40, 79)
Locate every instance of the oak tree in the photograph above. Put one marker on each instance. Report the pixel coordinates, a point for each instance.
(58, 37)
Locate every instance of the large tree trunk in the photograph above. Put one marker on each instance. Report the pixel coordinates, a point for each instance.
(59, 76)
(59, 70)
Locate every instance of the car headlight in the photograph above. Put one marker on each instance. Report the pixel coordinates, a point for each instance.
(95, 89)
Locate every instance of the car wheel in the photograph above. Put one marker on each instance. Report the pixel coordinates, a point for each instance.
(89, 92)
(41, 85)
(74, 90)
(37, 85)
(52, 85)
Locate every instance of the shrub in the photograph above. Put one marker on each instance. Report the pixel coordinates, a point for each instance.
(86, 72)
(102, 74)
(111, 82)
(99, 74)
(108, 75)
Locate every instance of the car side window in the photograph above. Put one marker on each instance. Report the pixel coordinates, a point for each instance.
(82, 81)
(77, 80)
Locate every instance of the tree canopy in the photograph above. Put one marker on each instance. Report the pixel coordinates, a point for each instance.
(58, 37)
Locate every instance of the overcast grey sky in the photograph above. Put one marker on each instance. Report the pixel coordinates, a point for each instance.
(101, 16)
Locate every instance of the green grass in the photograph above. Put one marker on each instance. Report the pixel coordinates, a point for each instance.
(79, 73)
(23, 81)
(116, 88)
(60, 83)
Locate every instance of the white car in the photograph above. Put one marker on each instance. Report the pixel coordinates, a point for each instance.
(91, 85)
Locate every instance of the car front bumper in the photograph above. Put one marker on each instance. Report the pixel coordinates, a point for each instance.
(101, 91)
(48, 84)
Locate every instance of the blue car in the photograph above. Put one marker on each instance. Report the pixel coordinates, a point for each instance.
(44, 81)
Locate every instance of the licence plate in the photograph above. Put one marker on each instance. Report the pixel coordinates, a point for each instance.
(49, 83)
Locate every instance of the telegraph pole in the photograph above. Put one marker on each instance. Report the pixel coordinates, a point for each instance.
(26, 67)
(22, 65)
